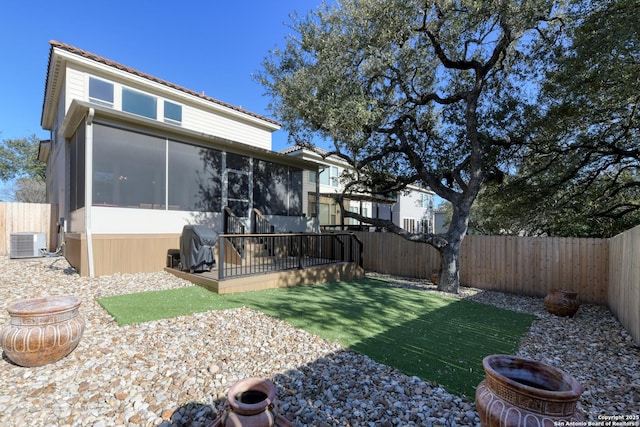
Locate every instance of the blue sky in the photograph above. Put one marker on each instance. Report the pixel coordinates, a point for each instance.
(204, 45)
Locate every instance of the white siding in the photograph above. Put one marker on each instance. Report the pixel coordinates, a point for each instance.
(224, 127)
(112, 220)
(197, 114)
(75, 86)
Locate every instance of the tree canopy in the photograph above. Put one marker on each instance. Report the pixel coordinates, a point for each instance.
(579, 174)
(414, 92)
(19, 159)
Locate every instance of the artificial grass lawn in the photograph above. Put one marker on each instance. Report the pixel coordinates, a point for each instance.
(155, 305)
(438, 338)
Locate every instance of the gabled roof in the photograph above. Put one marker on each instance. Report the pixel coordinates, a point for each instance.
(53, 70)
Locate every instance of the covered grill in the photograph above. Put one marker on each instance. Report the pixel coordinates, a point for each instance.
(197, 244)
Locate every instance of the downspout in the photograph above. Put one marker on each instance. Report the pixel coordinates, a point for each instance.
(88, 190)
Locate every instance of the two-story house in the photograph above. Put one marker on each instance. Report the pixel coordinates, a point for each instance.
(411, 209)
(132, 159)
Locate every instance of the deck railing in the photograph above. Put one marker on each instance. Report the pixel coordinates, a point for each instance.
(232, 224)
(266, 252)
(261, 224)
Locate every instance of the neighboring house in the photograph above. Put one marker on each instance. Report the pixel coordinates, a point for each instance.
(132, 159)
(411, 209)
(441, 221)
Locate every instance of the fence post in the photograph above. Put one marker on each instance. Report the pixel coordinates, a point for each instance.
(221, 258)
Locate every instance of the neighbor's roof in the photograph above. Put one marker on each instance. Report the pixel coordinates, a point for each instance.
(324, 154)
(83, 53)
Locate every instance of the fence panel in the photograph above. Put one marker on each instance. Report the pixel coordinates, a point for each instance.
(521, 265)
(624, 279)
(533, 265)
(20, 217)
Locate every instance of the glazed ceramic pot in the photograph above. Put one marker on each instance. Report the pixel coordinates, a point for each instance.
(521, 392)
(42, 330)
(561, 302)
(251, 403)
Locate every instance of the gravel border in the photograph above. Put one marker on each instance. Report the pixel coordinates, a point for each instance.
(176, 372)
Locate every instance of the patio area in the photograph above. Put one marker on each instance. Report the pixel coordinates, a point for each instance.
(177, 371)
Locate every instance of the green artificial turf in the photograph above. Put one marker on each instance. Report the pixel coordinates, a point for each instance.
(438, 338)
(154, 305)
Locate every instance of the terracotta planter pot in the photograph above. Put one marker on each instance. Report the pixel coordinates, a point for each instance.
(42, 330)
(522, 392)
(434, 276)
(251, 403)
(561, 302)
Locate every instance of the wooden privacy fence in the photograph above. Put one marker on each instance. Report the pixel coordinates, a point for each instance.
(521, 265)
(624, 279)
(22, 217)
(533, 265)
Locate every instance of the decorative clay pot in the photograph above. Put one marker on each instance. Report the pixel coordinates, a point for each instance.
(434, 276)
(251, 403)
(522, 392)
(42, 330)
(561, 302)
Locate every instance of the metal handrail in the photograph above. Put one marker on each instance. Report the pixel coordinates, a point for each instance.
(232, 224)
(261, 224)
(270, 252)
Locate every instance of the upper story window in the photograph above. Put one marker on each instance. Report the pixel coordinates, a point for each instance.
(139, 103)
(101, 92)
(114, 95)
(172, 113)
(426, 200)
(329, 176)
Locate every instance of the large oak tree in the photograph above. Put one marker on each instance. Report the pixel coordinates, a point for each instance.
(427, 92)
(580, 171)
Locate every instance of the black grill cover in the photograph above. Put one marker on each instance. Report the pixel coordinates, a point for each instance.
(197, 244)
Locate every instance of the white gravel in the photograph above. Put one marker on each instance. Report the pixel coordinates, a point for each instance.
(176, 372)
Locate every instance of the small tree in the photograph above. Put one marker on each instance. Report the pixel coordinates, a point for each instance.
(29, 190)
(19, 158)
(428, 92)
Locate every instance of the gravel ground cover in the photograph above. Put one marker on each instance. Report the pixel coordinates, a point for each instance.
(176, 372)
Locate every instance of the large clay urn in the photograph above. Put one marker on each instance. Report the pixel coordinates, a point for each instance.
(561, 302)
(42, 330)
(251, 403)
(521, 392)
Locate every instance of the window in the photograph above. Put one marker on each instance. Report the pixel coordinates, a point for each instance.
(128, 169)
(312, 207)
(334, 176)
(139, 103)
(329, 176)
(172, 113)
(409, 224)
(195, 182)
(354, 209)
(77, 169)
(100, 92)
(312, 176)
(333, 219)
(426, 201)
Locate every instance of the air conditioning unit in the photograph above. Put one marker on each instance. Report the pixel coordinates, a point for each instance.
(27, 245)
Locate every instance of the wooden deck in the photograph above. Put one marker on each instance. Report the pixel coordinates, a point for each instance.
(309, 275)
